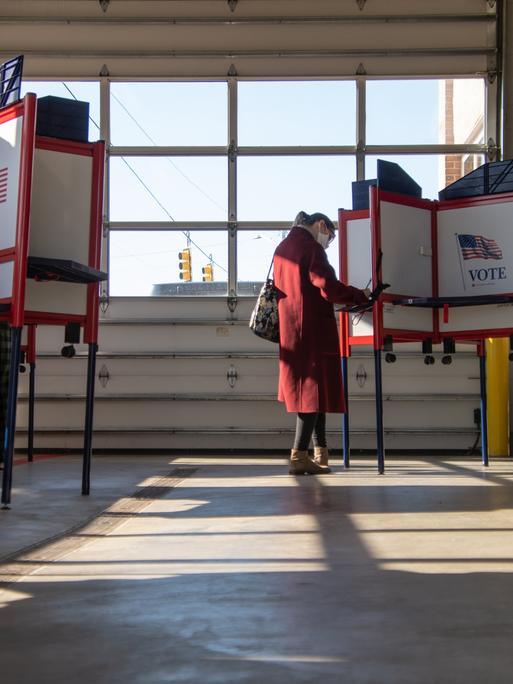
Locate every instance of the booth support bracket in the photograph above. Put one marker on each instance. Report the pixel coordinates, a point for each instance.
(492, 150)
(232, 301)
(104, 302)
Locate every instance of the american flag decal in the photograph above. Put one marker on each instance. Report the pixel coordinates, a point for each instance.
(3, 185)
(479, 247)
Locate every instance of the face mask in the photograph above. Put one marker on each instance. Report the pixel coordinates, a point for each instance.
(323, 239)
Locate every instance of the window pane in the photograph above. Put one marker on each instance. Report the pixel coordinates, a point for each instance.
(165, 188)
(86, 91)
(145, 263)
(169, 113)
(255, 251)
(297, 113)
(277, 188)
(424, 111)
(462, 107)
(432, 172)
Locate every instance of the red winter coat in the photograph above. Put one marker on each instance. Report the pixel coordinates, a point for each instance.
(310, 368)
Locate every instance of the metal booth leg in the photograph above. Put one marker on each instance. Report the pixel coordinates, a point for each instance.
(88, 428)
(31, 357)
(10, 421)
(379, 412)
(32, 396)
(345, 416)
(484, 418)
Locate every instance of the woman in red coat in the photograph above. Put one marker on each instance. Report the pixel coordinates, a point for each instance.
(310, 382)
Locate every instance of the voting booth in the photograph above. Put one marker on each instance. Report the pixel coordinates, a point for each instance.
(449, 269)
(51, 206)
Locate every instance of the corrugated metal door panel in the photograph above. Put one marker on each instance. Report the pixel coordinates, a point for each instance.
(189, 338)
(158, 375)
(179, 308)
(163, 337)
(269, 441)
(216, 413)
(81, 40)
(144, 413)
(250, 8)
(425, 403)
(176, 375)
(221, 40)
(411, 375)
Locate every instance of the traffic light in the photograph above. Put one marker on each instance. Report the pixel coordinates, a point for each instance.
(208, 273)
(185, 264)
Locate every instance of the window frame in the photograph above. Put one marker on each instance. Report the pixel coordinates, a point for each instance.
(489, 148)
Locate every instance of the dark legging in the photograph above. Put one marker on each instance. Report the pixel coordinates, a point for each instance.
(308, 424)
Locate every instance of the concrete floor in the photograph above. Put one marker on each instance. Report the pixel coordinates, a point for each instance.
(231, 571)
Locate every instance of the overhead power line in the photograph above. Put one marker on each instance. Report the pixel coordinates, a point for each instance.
(175, 166)
(148, 190)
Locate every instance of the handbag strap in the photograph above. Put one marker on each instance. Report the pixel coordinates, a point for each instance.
(271, 267)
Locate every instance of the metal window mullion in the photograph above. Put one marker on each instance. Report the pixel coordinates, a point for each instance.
(197, 225)
(216, 151)
(289, 150)
(167, 151)
(105, 135)
(295, 150)
(263, 225)
(167, 225)
(491, 119)
(425, 149)
(232, 187)
(493, 84)
(361, 136)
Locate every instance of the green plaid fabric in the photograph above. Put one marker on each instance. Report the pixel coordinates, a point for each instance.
(5, 349)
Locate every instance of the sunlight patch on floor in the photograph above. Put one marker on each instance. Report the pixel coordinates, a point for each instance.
(439, 542)
(9, 595)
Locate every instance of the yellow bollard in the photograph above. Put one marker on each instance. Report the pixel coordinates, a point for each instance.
(497, 390)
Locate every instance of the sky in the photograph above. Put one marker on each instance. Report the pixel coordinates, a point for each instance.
(269, 188)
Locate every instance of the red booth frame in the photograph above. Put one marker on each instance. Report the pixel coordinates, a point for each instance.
(381, 334)
(14, 311)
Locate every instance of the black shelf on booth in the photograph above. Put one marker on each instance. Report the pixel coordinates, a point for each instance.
(439, 302)
(489, 179)
(62, 270)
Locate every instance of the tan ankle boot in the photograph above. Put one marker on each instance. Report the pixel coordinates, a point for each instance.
(321, 455)
(300, 464)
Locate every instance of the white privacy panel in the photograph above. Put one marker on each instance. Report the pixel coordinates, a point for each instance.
(360, 325)
(10, 150)
(6, 274)
(407, 318)
(475, 250)
(406, 245)
(480, 318)
(56, 297)
(359, 252)
(61, 206)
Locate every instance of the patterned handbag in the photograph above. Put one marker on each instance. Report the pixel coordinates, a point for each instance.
(264, 318)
